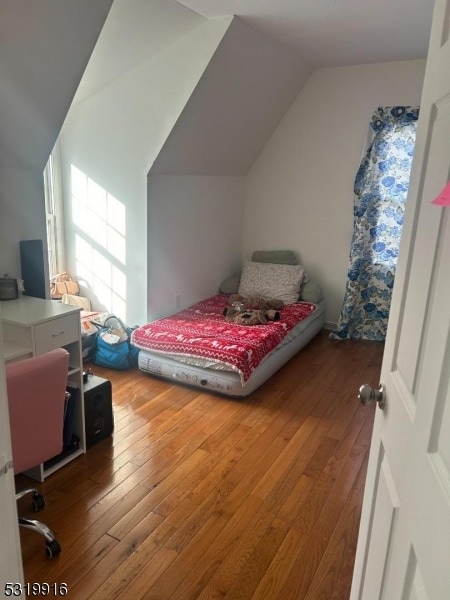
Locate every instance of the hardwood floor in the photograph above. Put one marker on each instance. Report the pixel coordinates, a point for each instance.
(197, 496)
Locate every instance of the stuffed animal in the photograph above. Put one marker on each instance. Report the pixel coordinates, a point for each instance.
(251, 310)
(257, 302)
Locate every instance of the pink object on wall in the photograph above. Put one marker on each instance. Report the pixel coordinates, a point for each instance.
(443, 199)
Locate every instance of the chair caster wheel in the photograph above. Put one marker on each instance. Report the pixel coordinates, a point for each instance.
(52, 548)
(38, 502)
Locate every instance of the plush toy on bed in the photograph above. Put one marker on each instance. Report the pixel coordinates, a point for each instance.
(257, 302)
(251, 310)
(252, 316)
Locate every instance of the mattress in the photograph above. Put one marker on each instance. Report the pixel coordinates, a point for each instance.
(220, 377)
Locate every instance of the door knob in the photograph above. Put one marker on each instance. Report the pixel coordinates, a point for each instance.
(367, 394)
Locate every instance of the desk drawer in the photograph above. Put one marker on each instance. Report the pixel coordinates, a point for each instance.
(56, 333)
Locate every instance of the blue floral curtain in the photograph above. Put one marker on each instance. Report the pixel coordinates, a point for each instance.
(381, 187)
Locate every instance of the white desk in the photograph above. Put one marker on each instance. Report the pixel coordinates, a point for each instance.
(32, 326)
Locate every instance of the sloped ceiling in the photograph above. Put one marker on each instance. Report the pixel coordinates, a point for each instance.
(247, 87)
(135, 31)
(328, 33)
(44, 48)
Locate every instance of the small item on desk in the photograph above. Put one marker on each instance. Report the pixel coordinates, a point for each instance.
(8, 288)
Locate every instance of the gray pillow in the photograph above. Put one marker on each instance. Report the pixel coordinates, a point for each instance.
(277, 257)
(311, 292)
(230, 285)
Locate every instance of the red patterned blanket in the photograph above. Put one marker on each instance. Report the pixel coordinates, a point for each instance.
(201, 331)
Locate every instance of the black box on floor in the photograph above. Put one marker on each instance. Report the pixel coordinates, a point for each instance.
(98, 411)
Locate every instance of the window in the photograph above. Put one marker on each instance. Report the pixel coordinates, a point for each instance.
(54, 213)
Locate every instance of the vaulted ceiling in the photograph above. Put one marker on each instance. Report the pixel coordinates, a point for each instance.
(335, 32)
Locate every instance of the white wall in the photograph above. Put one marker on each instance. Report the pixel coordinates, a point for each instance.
(194, 238)
(299, 192)
(22, 210)
(113, 137)
(45, 45)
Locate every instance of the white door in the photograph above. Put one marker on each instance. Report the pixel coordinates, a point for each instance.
(404, 542)
(10, 554)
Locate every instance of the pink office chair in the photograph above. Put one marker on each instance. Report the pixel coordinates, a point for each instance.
(36, 399)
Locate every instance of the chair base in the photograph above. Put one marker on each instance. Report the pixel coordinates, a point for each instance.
(38, 499)
(52, 545)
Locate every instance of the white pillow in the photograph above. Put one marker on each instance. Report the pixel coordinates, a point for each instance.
(281, 282)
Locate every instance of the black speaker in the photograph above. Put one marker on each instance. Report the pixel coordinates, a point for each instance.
(33, 268)
(98, 412)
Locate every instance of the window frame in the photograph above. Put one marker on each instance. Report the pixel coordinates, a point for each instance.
(54, 212)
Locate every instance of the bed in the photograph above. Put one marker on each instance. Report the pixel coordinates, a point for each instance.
(198, 347)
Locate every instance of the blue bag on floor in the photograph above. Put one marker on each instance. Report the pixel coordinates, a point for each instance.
(113, 348)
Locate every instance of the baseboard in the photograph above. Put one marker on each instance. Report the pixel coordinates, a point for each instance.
(330, 325)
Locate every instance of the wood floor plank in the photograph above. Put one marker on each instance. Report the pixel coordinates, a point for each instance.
(257, 564)
(201, 573)
(194, 552)
(288, 467)
(151, 530)
(278, 570)
(232, 565)
(212, 470)
(75, 541)
(320, 527)
(197, 496)
(209, 593)
(125, 573)
(323, 584)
